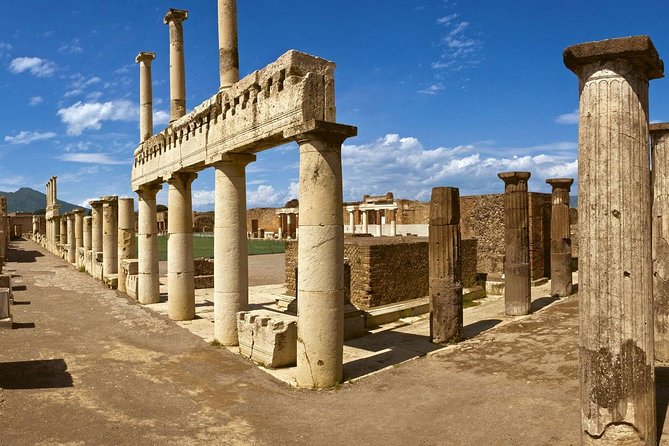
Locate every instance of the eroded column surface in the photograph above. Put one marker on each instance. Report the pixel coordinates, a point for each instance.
(109, 235)
(96, 225)
(56, 233)
(517, 280)
(445, 266)
(148, 280)
(231, 292)
(174, 19)
(144, 60)
(320, 281)
(71, 239)
(126, 236)
(227, 42)
(615, 261)
(659, 134)
(63, 230)
(88, 227)
(79, 228)
(560, 237)
(180, 266)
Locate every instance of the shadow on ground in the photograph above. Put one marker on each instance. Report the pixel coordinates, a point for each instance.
(23, 256)
(662, 397)
(38, 374)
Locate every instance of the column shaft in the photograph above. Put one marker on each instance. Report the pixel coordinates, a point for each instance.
(660, 214)
(96, 226)
(110, 236)
(126, 236)
(144, 60)
(227, 42)
(71, 240)
(560, 237)
(365, 225)
(148, 280)
(174, 18)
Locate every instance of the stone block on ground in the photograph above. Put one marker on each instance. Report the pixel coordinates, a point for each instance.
(131, 269)
(5, 315)
(269, 339)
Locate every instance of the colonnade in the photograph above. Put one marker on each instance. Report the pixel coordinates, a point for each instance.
(360, 216)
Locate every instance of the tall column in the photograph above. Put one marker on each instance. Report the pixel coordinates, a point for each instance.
(126, 236)
(78, 228)
(54, 191)
(560, 237)
(148, 280)
(615, 260)
(180, 266)
(320, 306)
(517, 293)
(63, 230)
(96, 225)
(289, 226)
(144, 60)
(365, 225)
(88, 226)
(71, 240)
(351, 222)
(659, 134)
(56, 233)
(227, 42)
(174, 19)
(393, 222)
(379, 230)
(109, 235)
(445, 266)
(231, 290)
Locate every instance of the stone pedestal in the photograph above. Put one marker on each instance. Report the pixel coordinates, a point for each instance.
(517, 294)
(231, 293)
(174, 19)
(109, 236)
(659, 134)
(615, 262)
(180, 268)
(126, 236)
(148, 280)
(445, 266)
(560, 237)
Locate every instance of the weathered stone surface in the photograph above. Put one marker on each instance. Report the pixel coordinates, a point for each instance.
(130, 268)
(615, 260)
(4, 304)
(148, 280)
(560, 238)
(267, 338)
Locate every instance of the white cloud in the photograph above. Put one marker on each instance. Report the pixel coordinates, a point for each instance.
(161, 117)
(459, 48)
(90, 115)
(26, 137)
(263, 196)
(74, 47)
(432, 89)
(445, 20)
(35, 100)
(5, 48)
(96, 158)
(203, 197)
(568, 118)
(35, 65)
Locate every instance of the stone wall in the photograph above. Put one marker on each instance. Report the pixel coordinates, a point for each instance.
(267, 219)
(22, 222)
(412, 212)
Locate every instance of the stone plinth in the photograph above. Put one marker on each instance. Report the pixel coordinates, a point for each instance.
(267, 338)
(560, 237)
(615, 261)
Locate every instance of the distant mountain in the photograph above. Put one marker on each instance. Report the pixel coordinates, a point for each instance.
(30, 200)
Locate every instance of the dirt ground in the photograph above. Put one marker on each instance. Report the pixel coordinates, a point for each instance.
(88, 366)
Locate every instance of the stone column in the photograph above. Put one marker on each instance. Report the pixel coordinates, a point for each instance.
(174, 19)
(88, 226)
(63, 230)
(365, 225)
(560, 237)
(126, 236)
(351, 222)
(320, 306)
(445, 266)
(227, 42)
(109, 235)
(144, 60)
(96, 226)
(379, 230)
(231, 290)
(393, 222)
(56, 233)
(180, 266)
(615, 260)
(148, 280)
(517, 280)
(659, 134)
(289, 226)
(71, 241)
(78, 228)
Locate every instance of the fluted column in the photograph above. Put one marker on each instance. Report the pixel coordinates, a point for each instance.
(659, 134)
(180, 266)
(517, 294)
(144, 60)
(445, 266)
(615, 260)
(227, 42)
(71, 240)
(231, 291)
(560, 237)
(109, 235)
(174, 19)
(148, 280)
(126, 236)
(56, 233)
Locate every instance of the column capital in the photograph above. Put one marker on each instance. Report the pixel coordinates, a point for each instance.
(636, 50)
(561, 183)
(514, 177)
(109, 199)
(232, 158)
(145, 56)
(175, 15)
(96, 203)
(78, 211)
(658, 129)
(314, 129)
(186, 177)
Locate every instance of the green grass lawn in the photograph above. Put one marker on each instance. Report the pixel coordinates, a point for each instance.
(204, 247)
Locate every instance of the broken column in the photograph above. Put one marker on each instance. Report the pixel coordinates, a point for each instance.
(517, 294)
(560, 237)
(109, 236)
(659, 134)
(231, 292)
(174, 19)
(615, 261)
(126, 236)
(227, 43)
(320, 281)
(144, 60)
(96, 226)
(71, 240)
(180, 265)
(78, 228)
(88, 226)
(445, 266)
(148, 279)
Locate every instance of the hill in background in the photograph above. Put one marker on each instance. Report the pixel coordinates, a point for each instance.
(30, 200)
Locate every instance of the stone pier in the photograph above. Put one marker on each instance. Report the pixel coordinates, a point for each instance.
(174, 19)
(445, 266)
(148, 280)
(517, 279)
(109, 236)
(144, 60)
(560, 237)
(180, 265)
(659, 134)
(126, 237)
(615, 260)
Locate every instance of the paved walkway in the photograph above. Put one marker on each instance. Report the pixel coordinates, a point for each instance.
(88, 366)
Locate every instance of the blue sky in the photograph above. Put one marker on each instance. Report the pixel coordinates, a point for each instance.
(444, 93)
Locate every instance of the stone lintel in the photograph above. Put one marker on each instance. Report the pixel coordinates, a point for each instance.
(514, 177)
(145, 56)
(328, 130)
(658, 129)
(175, 15)
(639, 49)
(231, 157)
(561, 183)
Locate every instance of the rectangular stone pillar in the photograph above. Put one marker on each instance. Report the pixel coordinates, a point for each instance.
(148, 280)
(126, 237)
(615, 262)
